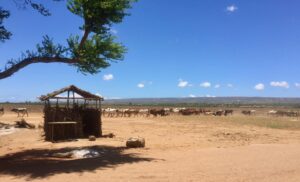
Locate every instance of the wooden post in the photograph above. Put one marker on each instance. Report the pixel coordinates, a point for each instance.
(100, 111)
(73, 98)
(52, 132)
(68, 99)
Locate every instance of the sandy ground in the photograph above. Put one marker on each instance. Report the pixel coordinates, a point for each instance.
(177, 149)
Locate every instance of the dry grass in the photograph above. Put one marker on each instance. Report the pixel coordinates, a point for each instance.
(290, 123)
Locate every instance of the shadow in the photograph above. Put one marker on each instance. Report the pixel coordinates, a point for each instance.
(40, 163)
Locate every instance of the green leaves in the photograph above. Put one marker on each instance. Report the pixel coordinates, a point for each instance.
(98, 15)
(49, 49)
(89, 53)
(97, 48)
(4, 34)
(95, 53)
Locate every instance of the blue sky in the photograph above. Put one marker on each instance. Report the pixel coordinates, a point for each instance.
(175, 49)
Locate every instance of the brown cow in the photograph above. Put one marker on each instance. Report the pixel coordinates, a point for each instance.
(1, 111)
(246, 112)
(218, 113)
(158, 112)
(227, 112)
(131, 112)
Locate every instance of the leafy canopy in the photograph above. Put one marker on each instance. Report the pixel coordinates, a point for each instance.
(90, 52)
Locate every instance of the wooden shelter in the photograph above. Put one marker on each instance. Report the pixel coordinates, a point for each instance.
(74, 115)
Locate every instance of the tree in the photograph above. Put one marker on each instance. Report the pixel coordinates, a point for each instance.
(89, 53)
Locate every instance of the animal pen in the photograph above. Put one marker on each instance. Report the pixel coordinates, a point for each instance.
(74, 115)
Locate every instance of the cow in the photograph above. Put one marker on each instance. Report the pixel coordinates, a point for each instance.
(109, 112)
(176, 110)
(121, 112)
(219, 113)
(247, 112)
(158, 112)
(188, 112)
(207, 112)
(272, 113)
(1, 111)
(144, 112)
(23, 111)
(131, 112)
(227, 112)
(287, 113)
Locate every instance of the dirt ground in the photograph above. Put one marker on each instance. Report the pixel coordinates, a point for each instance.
(178, 148)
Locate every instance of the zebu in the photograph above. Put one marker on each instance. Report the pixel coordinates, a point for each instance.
(227, 112)
(144, 112)
(131, 112)
(272, 113)
(219, 113)
(156, 112)
(188, 112)
(121, 112)
(19, 111)
(176, 110)
(109, 112)
(251, 112)
(1, 111)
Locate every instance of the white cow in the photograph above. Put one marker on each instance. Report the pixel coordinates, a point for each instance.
(144, 112)
(110, 112)
(23, 111)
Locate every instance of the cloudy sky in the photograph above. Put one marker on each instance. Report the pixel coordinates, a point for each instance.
(176, 48)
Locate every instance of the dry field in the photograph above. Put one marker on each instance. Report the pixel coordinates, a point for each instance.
(178, 148)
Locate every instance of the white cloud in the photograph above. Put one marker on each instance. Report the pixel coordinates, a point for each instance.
(282, 84)
(108, 77)
(183, 83)
(217, 86)
(231, 8)
(143, 84)
(211, 96)
(259, 86)
(229, 85)
(192, 95)
(297, 85)
(140, 85)
(205, 84)
(114, 31)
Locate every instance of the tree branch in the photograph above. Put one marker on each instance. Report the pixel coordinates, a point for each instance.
(25, 62)
(84, 38)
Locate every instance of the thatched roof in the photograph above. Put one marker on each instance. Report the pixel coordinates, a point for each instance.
(72, 88)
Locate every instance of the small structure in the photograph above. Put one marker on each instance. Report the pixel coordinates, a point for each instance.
(74, 115)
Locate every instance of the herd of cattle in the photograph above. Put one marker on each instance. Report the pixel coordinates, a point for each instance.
(113, 112)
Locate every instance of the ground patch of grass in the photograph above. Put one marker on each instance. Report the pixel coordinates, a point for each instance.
(259, 121)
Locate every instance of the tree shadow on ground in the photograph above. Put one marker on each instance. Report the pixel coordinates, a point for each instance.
(40, 163)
